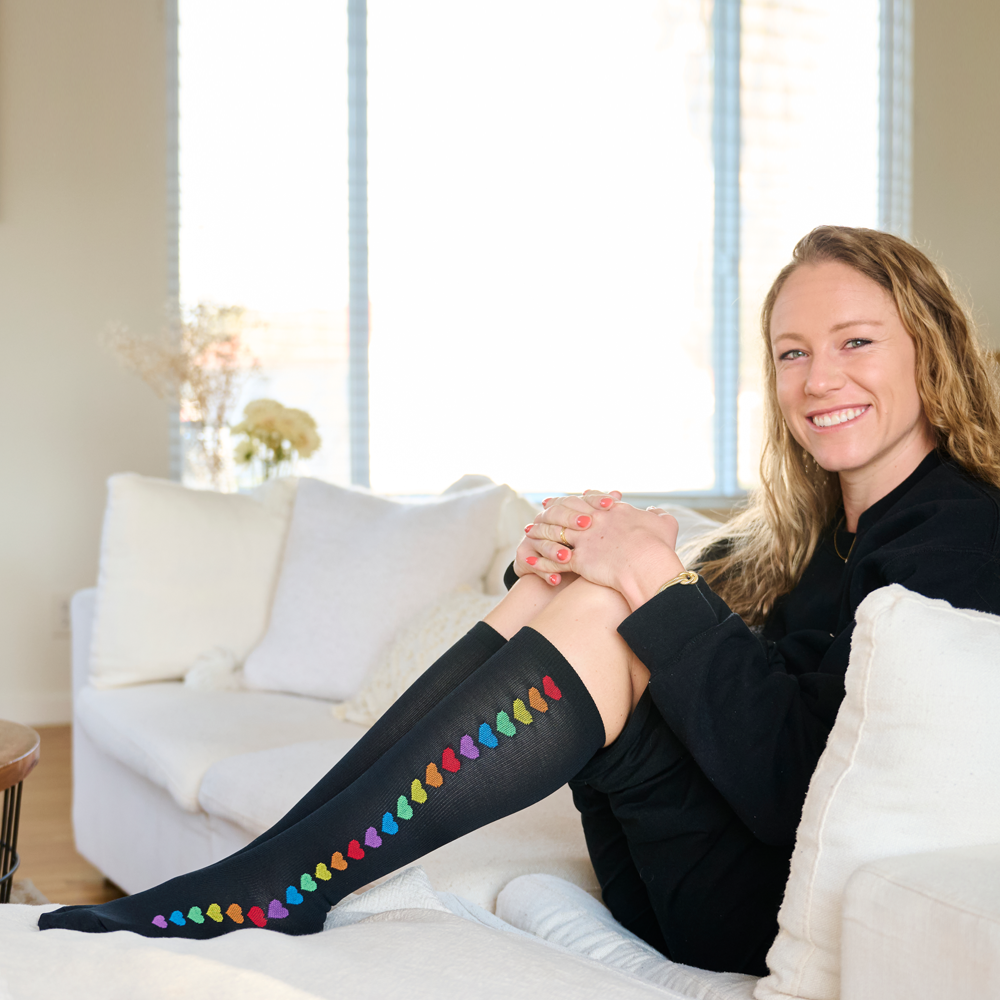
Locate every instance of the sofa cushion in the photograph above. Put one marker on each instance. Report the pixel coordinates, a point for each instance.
(172, 735)
(182, 571)
(912, 764)
(358, 566)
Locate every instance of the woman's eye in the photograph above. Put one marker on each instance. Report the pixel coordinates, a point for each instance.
(857, 342)
(791, 355)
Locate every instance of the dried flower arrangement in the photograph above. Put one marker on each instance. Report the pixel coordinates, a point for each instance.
(199, 360)
(273, 436)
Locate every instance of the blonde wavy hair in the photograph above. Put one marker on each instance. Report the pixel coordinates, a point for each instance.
(762, 552)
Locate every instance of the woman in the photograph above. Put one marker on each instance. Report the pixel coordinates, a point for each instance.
(687, 711)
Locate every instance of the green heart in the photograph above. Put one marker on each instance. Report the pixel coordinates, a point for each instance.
(504, 725)
(403, 808)
(307, 883)
(195, 914)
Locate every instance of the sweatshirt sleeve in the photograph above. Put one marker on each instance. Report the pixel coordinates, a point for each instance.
(755, 715)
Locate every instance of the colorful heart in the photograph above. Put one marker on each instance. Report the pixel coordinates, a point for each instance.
(417, 792)
(354, 850)
(323, 872)
(433, 776)
(403, 808)
(214, 913)
(372, 839)
(307, 883)
(549, 687)
(521, 713)
(504, 725)
(235, 912)
(449, 761)
(536, 701)
(486, 736)
(275, 911)
(160, 920)
(177, 918)
(196, 915)
(467, 748)
(338, 862)
(292, 896)
(256, 914)
(389, 825)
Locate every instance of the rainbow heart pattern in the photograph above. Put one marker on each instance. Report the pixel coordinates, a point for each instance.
(432, 779)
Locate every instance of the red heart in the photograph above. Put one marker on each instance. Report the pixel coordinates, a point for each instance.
(449, 761)
(256, 914)
(355, 850)
(550, 688)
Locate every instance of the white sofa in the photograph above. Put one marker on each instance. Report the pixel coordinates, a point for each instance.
(168, 779)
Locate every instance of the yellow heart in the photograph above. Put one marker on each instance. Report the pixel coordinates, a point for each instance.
(521, 713)
(323, 872)
(417, 792)
(215, 913)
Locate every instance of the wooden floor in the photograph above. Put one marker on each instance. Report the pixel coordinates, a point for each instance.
(45, 841)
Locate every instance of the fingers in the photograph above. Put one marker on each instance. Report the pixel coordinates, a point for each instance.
(542, 559)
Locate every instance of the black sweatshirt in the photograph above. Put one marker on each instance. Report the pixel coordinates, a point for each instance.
(754, 710)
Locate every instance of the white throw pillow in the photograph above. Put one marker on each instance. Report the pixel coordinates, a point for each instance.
(182, 572)
(912, 764)
(417, 645)
(357, 567)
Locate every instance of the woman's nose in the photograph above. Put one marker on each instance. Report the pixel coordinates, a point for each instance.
(824, 375)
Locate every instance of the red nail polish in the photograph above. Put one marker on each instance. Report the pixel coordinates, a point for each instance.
(563, 555)
(606, 502)
(528, 527)
(583, 521)
(554, 579)
(531, 560)
(546, 501)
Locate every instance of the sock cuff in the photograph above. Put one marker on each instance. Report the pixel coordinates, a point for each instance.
(487, 637)
(562, 672)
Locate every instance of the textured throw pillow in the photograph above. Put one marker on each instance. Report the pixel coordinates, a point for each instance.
(912, 764)
(357, 567)
(183, 572)
(417, 645)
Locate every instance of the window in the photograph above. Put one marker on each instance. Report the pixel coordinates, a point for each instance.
(574, 209)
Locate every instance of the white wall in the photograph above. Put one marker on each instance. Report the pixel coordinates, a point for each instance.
(956, 147)
(83, 241)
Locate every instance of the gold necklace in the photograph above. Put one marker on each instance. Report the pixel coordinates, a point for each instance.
(835, 549)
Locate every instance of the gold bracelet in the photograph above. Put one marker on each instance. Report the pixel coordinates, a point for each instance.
(688, 576)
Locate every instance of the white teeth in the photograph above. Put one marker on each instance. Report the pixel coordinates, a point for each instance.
(837, 417)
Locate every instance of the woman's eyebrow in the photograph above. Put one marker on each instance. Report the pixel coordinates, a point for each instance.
(856, 322)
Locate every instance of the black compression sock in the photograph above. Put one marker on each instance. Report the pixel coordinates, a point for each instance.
(518, 728)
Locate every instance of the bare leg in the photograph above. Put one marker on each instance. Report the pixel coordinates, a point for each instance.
(581, 620)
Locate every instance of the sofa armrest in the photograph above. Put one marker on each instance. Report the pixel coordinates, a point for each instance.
(923, 927)
(81, 616)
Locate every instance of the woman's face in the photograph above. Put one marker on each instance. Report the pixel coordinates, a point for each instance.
(846, 376)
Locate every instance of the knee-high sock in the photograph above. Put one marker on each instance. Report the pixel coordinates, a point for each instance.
(515, 730)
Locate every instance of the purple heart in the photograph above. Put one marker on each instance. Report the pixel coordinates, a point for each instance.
(467, 748)
(276, 911)
(160, 920)
(372, 839)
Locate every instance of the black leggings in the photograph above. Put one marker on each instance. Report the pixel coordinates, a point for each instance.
(675, 864)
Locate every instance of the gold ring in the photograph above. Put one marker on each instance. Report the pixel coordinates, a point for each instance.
(562, 537)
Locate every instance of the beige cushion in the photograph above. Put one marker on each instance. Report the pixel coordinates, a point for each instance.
(357, 567)
(172, 735)
(912, 764)
(182, 572)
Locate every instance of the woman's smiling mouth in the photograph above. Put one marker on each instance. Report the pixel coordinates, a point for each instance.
(833, 418)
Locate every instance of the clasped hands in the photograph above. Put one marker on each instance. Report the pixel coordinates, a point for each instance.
(598, 537)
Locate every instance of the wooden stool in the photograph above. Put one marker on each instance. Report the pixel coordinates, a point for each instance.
(19, 752)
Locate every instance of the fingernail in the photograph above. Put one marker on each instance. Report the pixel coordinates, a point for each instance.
(606, 502)
(531, 560)
(583, 521)
(563, 555)
(554, 579)
(546, 501)
(528, 528)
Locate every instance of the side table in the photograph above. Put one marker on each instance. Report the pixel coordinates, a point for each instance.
(19, 753)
